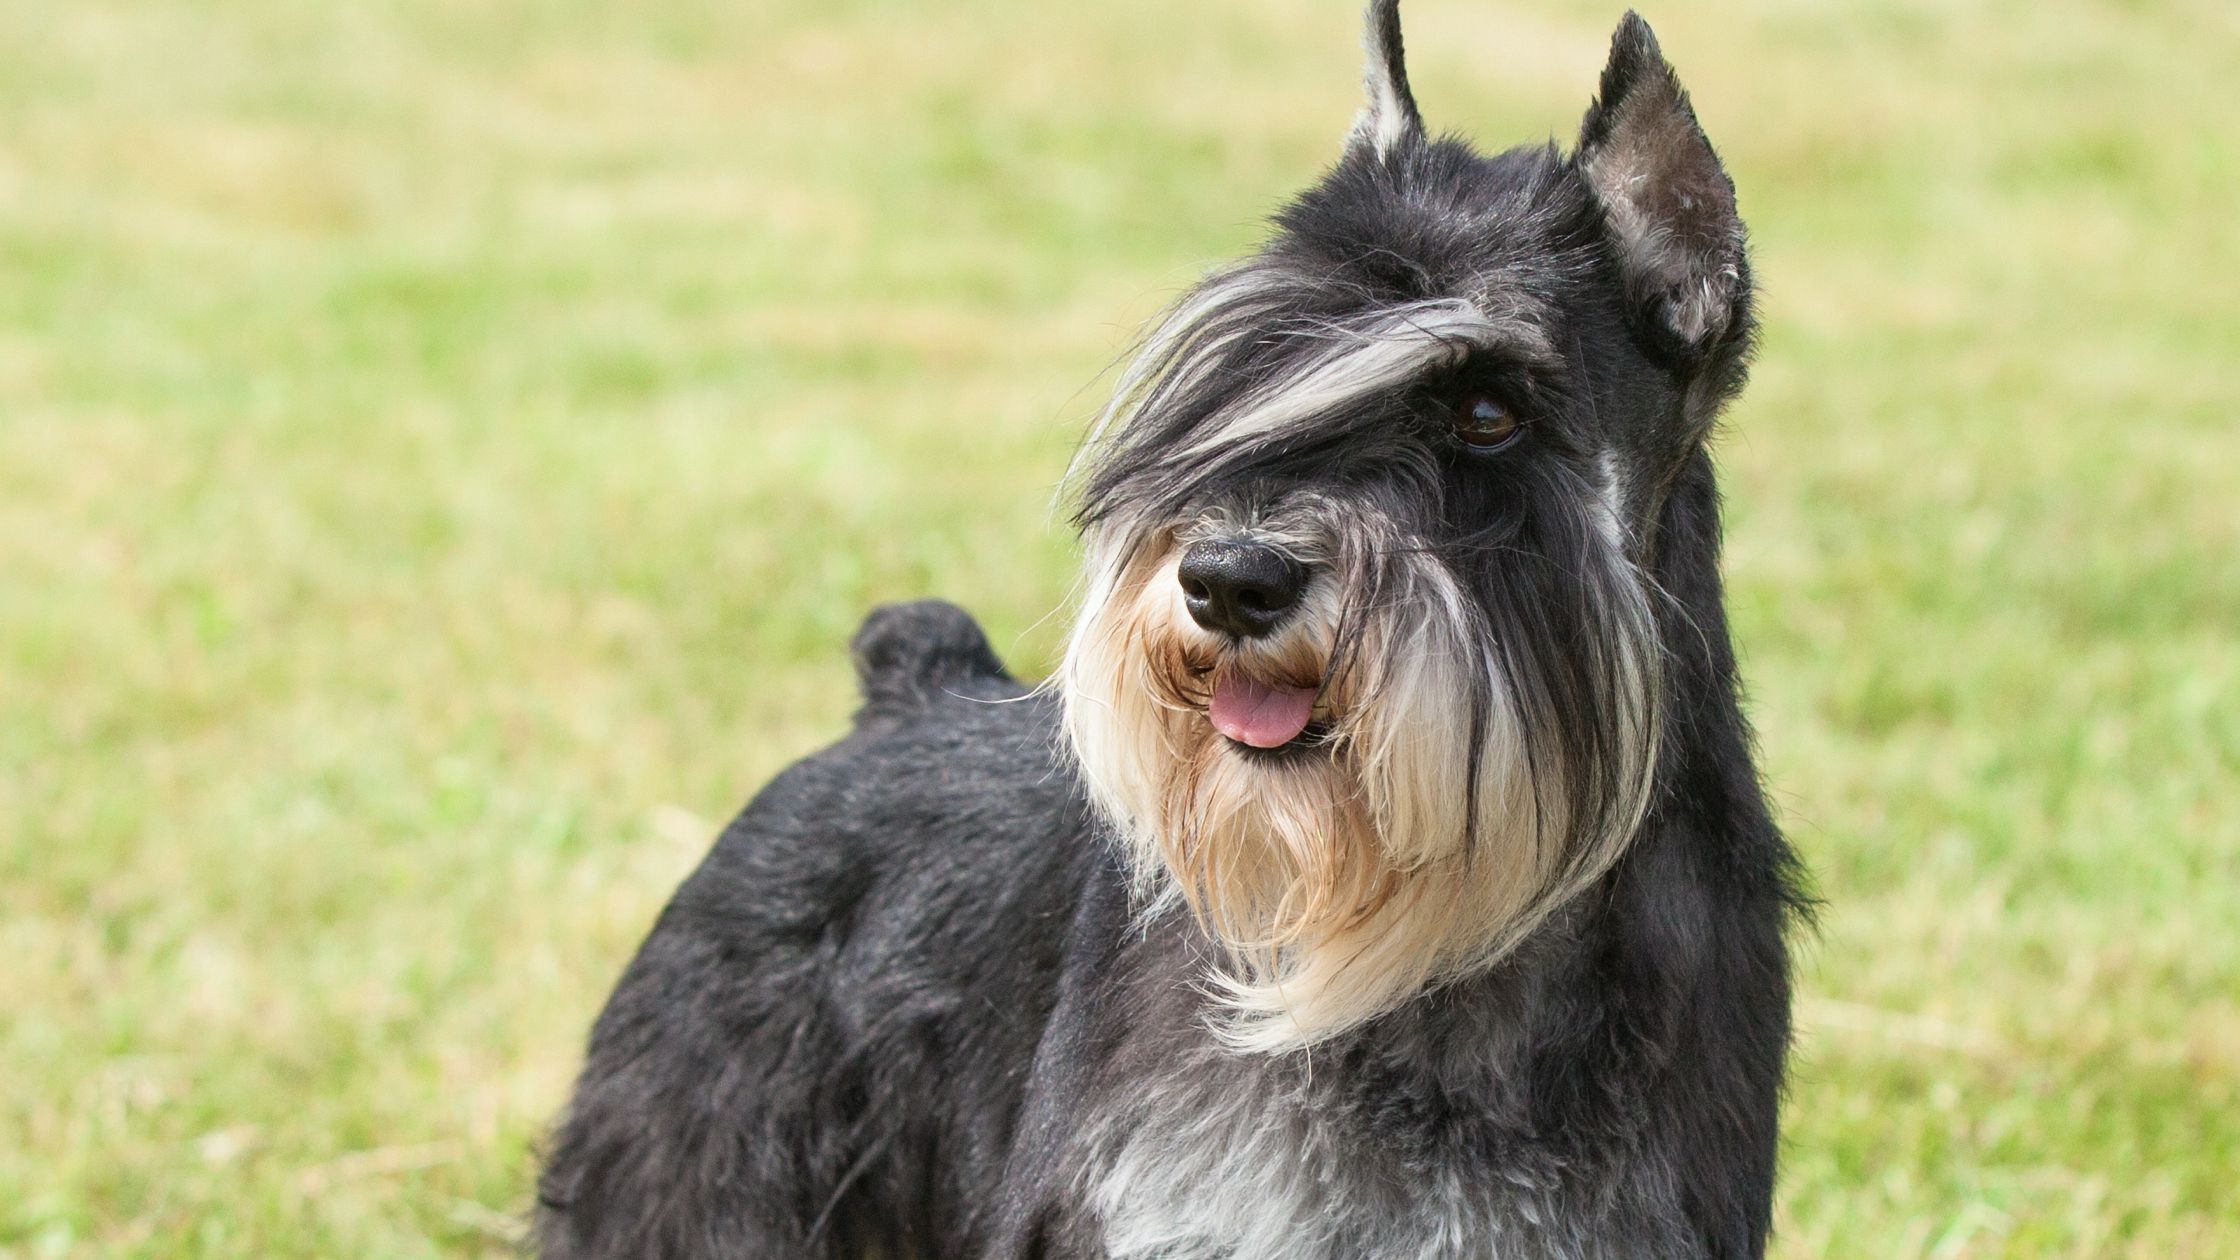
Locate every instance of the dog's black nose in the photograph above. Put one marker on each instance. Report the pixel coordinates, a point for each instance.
(1239, 587)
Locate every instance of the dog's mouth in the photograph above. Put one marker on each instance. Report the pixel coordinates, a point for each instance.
(1316, 734)
(1262, 715)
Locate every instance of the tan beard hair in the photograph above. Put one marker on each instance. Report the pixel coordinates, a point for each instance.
(1344, 878)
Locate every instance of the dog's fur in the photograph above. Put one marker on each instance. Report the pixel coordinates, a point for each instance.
(1488, 962)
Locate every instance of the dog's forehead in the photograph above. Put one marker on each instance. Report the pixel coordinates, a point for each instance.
(1510, 232)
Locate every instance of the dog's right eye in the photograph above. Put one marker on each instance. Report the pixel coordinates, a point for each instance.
(1484, 422)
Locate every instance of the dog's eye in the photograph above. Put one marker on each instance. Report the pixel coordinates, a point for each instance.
(1484, 422)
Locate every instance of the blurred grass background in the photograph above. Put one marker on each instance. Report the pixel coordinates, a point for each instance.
(444, 445)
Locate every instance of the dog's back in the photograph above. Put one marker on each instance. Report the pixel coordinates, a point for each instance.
(797, 1063)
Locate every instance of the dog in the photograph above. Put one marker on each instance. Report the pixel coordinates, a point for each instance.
(1384, 874)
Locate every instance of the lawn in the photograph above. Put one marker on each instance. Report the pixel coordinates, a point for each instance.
(444, 446)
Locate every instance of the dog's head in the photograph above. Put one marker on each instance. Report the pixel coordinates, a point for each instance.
(1368, 671)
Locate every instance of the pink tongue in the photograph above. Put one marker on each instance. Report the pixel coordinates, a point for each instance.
(1260, 714)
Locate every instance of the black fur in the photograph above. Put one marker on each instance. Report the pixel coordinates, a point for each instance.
(904, 1004)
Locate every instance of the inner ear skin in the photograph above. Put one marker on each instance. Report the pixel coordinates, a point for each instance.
(1670, 221)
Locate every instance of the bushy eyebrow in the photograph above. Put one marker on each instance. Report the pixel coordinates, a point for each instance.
(1337, 364)
(1234, 362)
(1246, 363)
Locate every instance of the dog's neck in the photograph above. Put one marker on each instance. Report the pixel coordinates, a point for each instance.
(1638, 929)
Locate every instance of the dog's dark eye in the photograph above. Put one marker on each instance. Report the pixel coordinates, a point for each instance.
(1484, 422)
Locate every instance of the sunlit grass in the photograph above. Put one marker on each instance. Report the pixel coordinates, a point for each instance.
(443, 448)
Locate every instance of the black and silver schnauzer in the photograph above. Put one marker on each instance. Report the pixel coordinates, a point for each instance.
(1384, 876)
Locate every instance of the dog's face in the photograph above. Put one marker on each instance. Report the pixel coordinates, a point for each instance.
(1368, 667)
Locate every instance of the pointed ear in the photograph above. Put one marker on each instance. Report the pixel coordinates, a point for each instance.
(1389, 114)
(1668, 204)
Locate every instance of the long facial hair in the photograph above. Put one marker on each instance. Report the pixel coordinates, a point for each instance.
(1485, 722)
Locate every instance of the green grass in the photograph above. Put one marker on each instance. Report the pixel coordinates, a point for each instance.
(443, 447)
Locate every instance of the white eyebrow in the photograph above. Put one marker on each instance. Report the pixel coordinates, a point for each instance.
(1362, 358)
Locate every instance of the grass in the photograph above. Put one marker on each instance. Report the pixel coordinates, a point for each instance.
(443, 447)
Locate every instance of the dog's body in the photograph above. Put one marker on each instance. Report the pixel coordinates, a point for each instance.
(1389, 878)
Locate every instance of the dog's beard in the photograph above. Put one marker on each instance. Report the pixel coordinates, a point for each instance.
(1457, 783)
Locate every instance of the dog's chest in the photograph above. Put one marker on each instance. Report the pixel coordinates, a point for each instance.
(1214, 1169)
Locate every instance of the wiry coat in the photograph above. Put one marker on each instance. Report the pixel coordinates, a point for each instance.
(925, 999)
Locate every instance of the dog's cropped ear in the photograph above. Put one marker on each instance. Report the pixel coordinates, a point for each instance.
(1389, 114)
(1668, 204)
